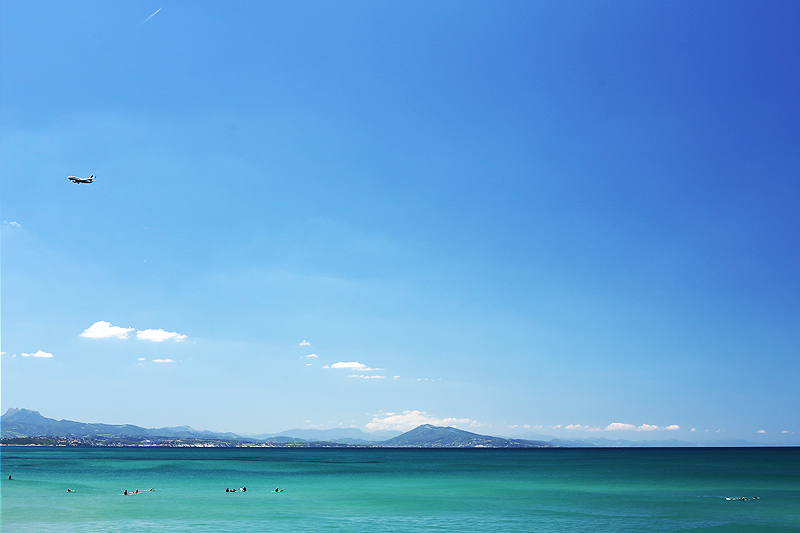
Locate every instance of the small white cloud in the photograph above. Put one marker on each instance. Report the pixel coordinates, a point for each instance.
(761, 431)
(618, 426)
(40, 353)
(163, 361)
(365, 377)
(305, 343)
(312, 355)
(140, 359)
(578, 427)
(159, 335)
(673, 427)
(11, 224)
(104, 330)
(693, 430)
(527, 426)
(353, 365)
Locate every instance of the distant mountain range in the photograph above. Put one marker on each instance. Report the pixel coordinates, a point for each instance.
(24, 423)
(27, 423)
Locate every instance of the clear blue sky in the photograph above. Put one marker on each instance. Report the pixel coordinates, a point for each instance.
(577, 219)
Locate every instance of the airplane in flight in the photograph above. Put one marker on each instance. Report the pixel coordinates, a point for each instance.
(76, 179)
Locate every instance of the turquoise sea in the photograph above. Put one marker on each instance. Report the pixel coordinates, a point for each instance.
(380, 490)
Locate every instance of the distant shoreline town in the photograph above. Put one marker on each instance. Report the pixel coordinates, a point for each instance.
(123, 441)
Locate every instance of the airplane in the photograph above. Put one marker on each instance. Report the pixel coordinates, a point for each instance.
(76, 179)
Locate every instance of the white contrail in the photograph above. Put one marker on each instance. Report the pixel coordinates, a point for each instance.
(151, 16)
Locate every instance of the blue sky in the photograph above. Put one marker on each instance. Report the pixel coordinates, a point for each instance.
(576, 219)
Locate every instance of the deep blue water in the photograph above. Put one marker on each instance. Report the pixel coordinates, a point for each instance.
(377, 490)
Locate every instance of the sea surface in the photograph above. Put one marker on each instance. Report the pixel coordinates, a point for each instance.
(400, 490)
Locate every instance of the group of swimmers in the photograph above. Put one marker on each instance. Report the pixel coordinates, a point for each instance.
(244, 489)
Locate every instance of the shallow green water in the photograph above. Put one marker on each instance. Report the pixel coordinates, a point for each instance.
(375, 490)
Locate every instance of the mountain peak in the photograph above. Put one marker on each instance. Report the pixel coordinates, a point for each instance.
(21, 412)
(430, 436)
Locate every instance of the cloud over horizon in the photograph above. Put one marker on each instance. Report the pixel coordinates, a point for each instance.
(617, 426)
(410, 419)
